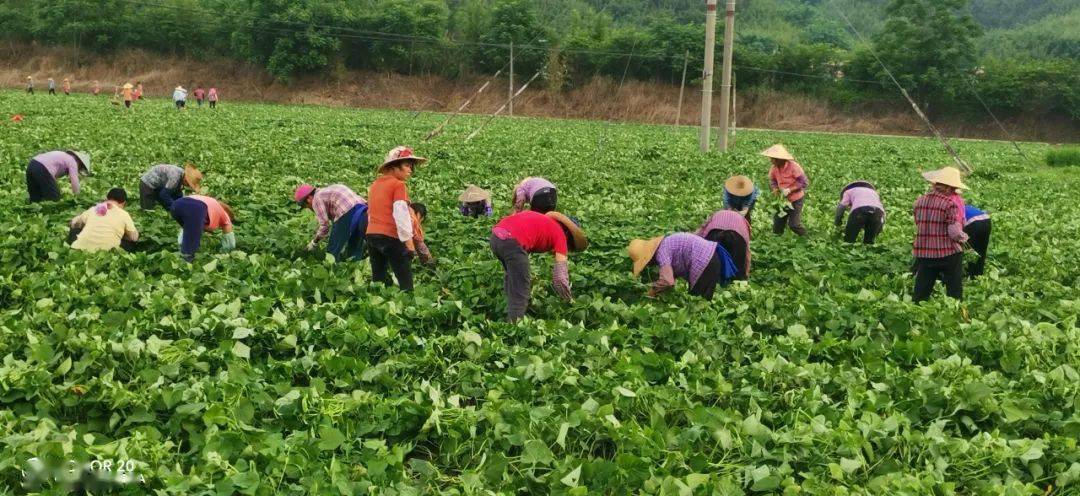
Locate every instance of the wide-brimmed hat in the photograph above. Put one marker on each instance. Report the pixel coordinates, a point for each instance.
(579, 241)
(128, 86)
(778, 151)
(192, 177)
(84, 160)
(739, 185)
(641, 252)
(400, 154)
(859, 184)
(949, 176)
(302, 193)
(474, 193)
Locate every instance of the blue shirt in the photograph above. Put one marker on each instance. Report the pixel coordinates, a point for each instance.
(970, 211)
(740, 202)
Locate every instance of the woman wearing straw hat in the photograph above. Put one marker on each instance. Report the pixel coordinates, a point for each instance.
(128, 93)
(67, 87)
(977, 227)
(475, 201)
(703, 263)
(390, 225)
(787, 179)
(740, 194)
(732, 232)
(519, 234)
(538, 192)
(162, 184)
(197, 214)
(939, 236)
(30, 84)
(341, 214)
(44, 169)
(867, 212)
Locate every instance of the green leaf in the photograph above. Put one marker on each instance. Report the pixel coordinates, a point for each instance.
(536, 452)
(571, 479)
(330, 438)
(241, 350)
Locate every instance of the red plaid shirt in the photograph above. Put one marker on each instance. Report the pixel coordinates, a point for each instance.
(330, 203)
(939, 231)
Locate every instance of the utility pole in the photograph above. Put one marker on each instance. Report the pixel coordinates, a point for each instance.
(725, 81)
(511, 109)
(706, 79)
(682, 86)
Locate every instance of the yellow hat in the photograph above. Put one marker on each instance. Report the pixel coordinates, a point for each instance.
(949, 176)
(641, 252)
(579, 240)
(778, 151)
(739, 185)
(192, 177)
(128, 86)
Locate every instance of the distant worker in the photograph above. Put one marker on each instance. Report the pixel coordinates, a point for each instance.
(867, 212)
(522, 233)
(128, 94)
(200, 94)
(341, 214)
(30, 84)
(418, 211)
(538, 193)
(96, 90)
(787, 180)
(732, 231)
(105, 226)
(977, 227)
(740, 194)
(180, 97)
(163, 184)
(212, 97)
(46, 168)
(475, 201)
(939, 236)
(67, 87)
(138, 90)
(52, 86)
(390, 225)
(703, 263)
(197, 214)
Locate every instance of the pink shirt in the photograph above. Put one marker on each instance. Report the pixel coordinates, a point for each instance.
(212, 96)
(199, 93)
(861, 197)
(790, 176)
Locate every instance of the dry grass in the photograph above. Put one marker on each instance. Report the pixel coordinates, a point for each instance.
(600, 98)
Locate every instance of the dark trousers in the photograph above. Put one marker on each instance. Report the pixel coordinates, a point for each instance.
(949, 269)
(40, 184)
(979, 237)
(347, 235)
(792, 219)
(544, 200)
(179, 104)
(735, 246)
(125, 244)
(517, 280)
(52, 91)
(127, 103)
(710, 277)
(213, 103)
(869, 220)
(387, 251)
(30, 90)
(199, 102)
(192, 217)
(150, 196)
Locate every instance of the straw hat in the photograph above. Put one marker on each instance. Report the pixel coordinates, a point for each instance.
(128, 86)
(580, 241)
(474, 193)
(400, 154)
(641, 252)
(778, 151)
(84, 160)
(192, 177)
(949, 176)
(739, 185)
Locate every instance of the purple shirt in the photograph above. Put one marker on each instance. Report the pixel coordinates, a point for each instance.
(861, 197)
(330, 203)
(687, 255)
(728, 220)
(60, 164)
(527, 188)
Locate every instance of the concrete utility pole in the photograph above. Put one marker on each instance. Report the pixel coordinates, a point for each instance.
(511, 109)
(706, 77)
(725, 80)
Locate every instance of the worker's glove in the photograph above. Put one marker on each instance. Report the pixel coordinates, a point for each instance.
(785, 192)
(180, 238)
(311, 246)
(228, 241)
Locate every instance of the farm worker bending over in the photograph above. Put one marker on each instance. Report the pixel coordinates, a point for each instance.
(179, 96)
(732, 231)
(104, 226)
(702, 262)
(418, 213)
(517, 235)
(390, 224)
(46, 168)
(163, 182)
(475, 201)
(342, 214)
(538, 192)
(787, 179)
(939, 236)
(740, 194)
(977, 227)
(867, 212)
(196, 214)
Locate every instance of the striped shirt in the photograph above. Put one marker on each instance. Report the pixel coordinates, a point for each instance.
(330, 203)
(938, 229)
(525, 190)
(60, 164)
(728, 220)
(687, 255)
(164, 176)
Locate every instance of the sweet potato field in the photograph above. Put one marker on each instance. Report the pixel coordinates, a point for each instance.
(271, 370)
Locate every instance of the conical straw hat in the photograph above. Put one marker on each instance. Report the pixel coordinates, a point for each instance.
(949, 176)
(778, 151)
(641, 252)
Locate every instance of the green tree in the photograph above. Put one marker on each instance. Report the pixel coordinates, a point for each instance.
(289, 37)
